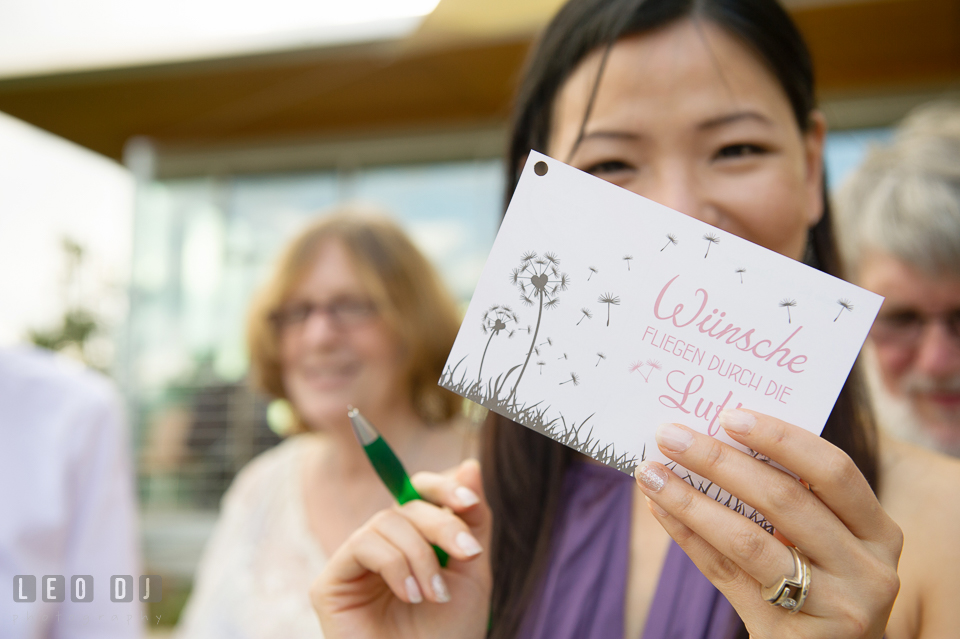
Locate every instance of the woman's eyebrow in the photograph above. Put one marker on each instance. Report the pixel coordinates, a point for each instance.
(617, 135)
(731, 118)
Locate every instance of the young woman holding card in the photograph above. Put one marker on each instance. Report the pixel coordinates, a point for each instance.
(705, 106)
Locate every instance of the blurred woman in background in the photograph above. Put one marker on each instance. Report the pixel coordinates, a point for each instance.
(352, 315)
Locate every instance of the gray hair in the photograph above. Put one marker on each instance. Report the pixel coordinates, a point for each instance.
(905, 198)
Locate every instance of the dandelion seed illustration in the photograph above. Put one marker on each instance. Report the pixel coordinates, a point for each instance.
(627, 258)
(573, 378)
(671, 239)
(592, 271)
(610, 300)
(635, 366)
(537, 351)
(529, 329)
(740, 271)
(602, 357)
(510, 334)
(539, 281)
(564, 356)
(654, 366)
(845, 305)
(495, 320)
(711, 238)
(541, 364)
(549, 342)
(788, 304)
(586, 315)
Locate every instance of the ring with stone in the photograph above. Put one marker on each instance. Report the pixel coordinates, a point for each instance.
(790, 592)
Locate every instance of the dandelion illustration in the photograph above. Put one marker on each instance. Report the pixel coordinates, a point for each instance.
(592, 271)
(671, 239)
(610, 300)
(627, 258)
(573, 378)
(564, 356)
(602, 357)
(529, 329)
(536, 352)
(539, 281)
(495, 320)
(541, 364)
(510, 334)
(549, 342)
(635, 366)
(740, 271)
(586, 315)
(845, 305)
(711, 238)
(788, 304)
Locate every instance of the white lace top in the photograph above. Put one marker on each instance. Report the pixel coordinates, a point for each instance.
(254, 578)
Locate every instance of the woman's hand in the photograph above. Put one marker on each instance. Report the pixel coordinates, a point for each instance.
(385, 581)
(838, 523)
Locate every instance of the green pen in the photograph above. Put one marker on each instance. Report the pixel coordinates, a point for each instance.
(387, 465)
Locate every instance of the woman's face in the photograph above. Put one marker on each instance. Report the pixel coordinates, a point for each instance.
(335, 350)
(689, 117)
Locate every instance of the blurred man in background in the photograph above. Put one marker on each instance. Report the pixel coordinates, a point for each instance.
(899, 217)
(68, 508)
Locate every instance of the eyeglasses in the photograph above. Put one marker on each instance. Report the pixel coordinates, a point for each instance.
(904, 328)
(343, 313)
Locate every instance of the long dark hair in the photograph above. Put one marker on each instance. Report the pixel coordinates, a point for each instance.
(522, 469)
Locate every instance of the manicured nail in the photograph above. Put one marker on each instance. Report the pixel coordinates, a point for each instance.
(466, 497)
(468, 544)
(737, 421)
(656, 507)
(652, 477)
(440, 589)
(674, 438)
(413, 590)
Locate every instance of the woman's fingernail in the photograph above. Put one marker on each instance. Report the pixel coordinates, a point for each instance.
(468, 544)
(413, 590)
(656, 507)
(737, 421)
(440, 589)
(466, 497)
(652, 477)
(674, 438)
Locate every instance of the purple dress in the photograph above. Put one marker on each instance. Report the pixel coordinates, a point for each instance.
(582, 592)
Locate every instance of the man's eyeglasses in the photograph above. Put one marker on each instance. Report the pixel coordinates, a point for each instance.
(343, 313)
(904, 328)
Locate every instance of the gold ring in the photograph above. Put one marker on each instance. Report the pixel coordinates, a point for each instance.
(791, 592)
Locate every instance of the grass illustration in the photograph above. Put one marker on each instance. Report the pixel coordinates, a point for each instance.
(536, 417)
(610, 300)
(788, 304)
(711, 238)
(627, 258)
(671, 239)
(540, 281)
(721, 496)
(845, 305)
(586, 315)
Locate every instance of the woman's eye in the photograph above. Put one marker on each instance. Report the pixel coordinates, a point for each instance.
(740, 150)
(610, 166)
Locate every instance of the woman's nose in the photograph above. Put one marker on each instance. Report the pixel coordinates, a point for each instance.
(677, 186)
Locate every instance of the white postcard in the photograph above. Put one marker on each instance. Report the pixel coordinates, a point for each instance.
(601, 314)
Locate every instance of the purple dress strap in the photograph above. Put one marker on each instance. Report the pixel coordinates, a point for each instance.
(581, 594)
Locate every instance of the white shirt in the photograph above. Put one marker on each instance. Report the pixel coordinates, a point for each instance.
(67, 504)
(254, 579)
